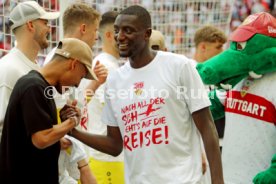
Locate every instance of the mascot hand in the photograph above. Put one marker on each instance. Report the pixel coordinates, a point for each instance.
(268, 176)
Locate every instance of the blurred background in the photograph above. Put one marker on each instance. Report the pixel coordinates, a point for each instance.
(176, 19)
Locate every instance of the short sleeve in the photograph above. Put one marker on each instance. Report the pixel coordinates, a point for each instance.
(108, 115)
(38, 111)
(5, 93)
(193, 90)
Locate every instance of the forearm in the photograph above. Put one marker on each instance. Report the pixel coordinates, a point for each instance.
(101, 143)
(45, 138)
(63, 128)
(211, 144)
(86, 175)
(206, 127)
(91, 89)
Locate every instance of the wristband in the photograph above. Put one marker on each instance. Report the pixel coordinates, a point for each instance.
(79, 167)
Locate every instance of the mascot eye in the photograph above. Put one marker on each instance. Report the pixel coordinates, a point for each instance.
(241, 45)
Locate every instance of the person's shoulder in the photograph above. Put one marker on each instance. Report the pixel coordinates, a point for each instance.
(99, 56)
(31, 81)
(119, 73)
(102, 57)
(14, 58)
(173, 58)
(32, 78)
(105, 59)
(193, 62)
(9, 64)
(9, 58)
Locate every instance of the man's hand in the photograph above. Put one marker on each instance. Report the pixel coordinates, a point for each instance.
(70, 110)
(67, 112)
(268, 176)
(101, 72)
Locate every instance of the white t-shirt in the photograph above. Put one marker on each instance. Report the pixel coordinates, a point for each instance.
(193, 62)
(12, 66)
(152, 106)
(95, 107)
(68, 161)
(250, 133)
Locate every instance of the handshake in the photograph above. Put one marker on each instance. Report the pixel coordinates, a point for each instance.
(70, 111)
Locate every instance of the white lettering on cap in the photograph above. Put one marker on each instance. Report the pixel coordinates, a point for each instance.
(271, 29)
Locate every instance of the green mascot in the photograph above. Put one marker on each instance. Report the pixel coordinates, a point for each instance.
(245, 76)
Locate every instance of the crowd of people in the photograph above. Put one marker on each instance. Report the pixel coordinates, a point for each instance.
(136, 112)
(242, 9)
(183, 17)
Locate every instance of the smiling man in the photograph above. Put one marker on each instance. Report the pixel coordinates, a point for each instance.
(159, 131)
(29, 23)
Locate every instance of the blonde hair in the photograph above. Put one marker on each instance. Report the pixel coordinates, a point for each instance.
(209, 33)
(78, 13)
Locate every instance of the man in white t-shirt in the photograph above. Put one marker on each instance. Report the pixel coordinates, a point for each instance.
(157, 42)
(29, 23)
(156, 108)
(102, 163)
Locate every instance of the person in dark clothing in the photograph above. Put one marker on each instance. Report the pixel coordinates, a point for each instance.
(31, 134)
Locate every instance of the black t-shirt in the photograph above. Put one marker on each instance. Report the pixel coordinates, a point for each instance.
(30, 110)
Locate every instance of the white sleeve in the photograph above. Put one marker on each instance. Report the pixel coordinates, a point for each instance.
(193, 90)
(108, 115)
(77, 152)
(5, 93)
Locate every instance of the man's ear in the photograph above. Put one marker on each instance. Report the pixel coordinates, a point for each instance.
(202, 46)
(148, 33)
(30, 26)
(73, 64)
(109, 35)
(83, 28)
